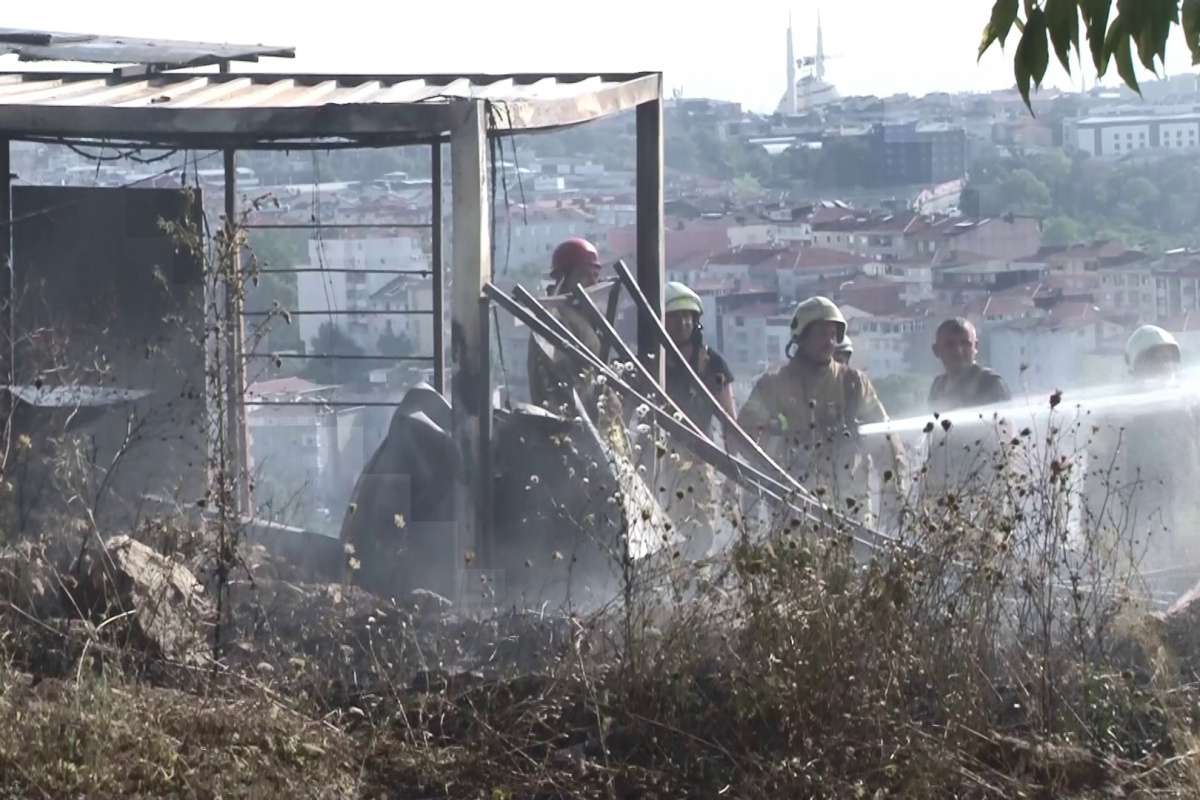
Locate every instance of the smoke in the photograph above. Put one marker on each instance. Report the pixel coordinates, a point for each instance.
(1127, 455)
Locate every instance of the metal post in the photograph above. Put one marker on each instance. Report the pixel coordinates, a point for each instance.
(6, 204)
(235, 373)
(650, 259)
(471, 384)
(439, 279)
(8, 348)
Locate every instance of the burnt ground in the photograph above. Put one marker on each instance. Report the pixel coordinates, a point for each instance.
(323, 690)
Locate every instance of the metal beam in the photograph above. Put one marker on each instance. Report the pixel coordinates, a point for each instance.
(167, 142)
(650, 257)
(471, 385)
(309, 226)
(602, 324)
(160, 143)
(342, 312)
(334, 357)
(355, 270)
(228, 127)
(325, 403)
(729, 464)
(8, 312)
(233, 126)
(734, 433)
(439, 277)
(438, 78)
(235, 373)
(532, 114)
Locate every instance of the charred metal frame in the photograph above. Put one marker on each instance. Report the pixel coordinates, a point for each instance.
(465, 121)
(8, 374)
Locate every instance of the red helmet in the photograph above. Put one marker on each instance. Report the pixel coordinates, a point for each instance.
(574, 252)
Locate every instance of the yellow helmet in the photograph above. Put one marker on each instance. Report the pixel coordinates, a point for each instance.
(1145, 339)
(817, 309)
(680, 298)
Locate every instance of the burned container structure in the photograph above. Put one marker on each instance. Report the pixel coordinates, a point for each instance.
(188, 97)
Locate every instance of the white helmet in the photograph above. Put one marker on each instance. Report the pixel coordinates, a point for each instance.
(817, 309)
(1145, 339)
(680, 298)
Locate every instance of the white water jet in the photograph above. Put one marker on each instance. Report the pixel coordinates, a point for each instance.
(1097, 402)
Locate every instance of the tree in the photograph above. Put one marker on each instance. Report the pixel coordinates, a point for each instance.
(1061, 231)
(331, 340)
(273, 250)
(393, 344)
(1022, 192)
(1137, 201)
(1139, 25)
(1055, 171)
(746, 188)
(279, 248)
(1140, 198)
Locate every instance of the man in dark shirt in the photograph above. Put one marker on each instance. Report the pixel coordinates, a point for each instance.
(956, 463)
(965, 384)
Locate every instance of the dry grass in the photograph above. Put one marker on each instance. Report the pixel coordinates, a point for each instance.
(109, 738)
(994, 654)
(786, 671)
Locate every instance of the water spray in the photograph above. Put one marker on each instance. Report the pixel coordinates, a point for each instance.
(1097, 402)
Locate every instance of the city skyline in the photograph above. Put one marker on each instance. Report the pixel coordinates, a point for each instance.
(874, 46)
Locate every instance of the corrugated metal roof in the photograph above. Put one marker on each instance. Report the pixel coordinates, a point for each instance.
(33, 45)
(238, 109)
(75, 396)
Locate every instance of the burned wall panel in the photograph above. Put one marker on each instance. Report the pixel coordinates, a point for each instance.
(110, 356)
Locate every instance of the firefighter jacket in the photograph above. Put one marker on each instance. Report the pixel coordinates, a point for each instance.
(553, 375)
(807, 416)
(1142, 472)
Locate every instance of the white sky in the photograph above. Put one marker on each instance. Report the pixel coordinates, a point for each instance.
(734, 51)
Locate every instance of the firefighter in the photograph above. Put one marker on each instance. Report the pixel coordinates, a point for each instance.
(687, 486)
(552, 374)
(1152, 353)
(806, 414)
(1146, 463)
(844, 351)
(964, 384)
(683, 309)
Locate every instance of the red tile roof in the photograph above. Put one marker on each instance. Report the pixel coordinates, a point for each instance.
(694, 240)
(1101, 248)
(752, 256)
(769, 259)
(1122, 259)
(823, 215)
(876, 297)
(1074, 311)
(817, 258)
(1014, 302)
(1071, 281)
